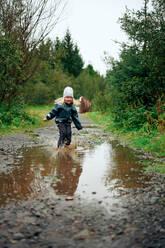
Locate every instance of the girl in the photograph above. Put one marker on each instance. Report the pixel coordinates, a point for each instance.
(64, 113)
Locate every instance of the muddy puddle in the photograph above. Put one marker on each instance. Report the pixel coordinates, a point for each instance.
(103, 173)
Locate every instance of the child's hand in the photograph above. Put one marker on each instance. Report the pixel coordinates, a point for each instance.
(45, 119)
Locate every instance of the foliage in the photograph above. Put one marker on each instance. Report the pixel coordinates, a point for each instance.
(21, 32)
(38, 68)
(21, 117)
(60, 63)
(52, 76)
(89, 83)
(46, 85)
(70, 57)
(10, 69)
(136, 82)
(15, 114)
(147, 29)
(156, 167)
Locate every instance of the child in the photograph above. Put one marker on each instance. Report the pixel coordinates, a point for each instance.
(64, 114)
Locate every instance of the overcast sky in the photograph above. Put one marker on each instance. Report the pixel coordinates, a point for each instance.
(93, 26)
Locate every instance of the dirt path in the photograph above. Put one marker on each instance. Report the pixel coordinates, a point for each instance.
(48, 219)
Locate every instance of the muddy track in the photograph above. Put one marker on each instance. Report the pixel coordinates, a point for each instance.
(50, 217)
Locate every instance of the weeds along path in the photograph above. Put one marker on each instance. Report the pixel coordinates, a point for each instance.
(93, 196)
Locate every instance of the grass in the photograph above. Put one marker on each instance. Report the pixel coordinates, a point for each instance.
(156, 167)
(84, 132)
(146, 163)
(153, 142)
(161, 155)
(37, 112)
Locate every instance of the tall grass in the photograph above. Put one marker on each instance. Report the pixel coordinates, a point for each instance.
(16, 119)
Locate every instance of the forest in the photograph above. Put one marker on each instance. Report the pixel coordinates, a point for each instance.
(35, 69)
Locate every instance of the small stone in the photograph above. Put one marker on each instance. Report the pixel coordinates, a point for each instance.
(18, 236)
(38, 214)
(69, 198)
(84, 234)
(153, 200)
(113, 236)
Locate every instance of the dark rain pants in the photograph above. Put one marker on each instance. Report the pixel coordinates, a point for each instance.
(65, 133)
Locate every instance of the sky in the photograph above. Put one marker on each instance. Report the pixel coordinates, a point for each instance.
(94, 27)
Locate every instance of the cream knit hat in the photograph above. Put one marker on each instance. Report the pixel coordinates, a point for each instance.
(68, 91)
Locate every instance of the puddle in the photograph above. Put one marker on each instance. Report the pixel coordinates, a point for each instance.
(103, 173)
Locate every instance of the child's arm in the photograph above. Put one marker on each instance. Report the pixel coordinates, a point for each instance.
(76, 119)
(52, 113)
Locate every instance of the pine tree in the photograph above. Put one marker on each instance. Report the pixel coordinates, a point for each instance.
(146, 29)
(71, 60)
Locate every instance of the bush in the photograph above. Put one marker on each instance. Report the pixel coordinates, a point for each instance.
(135, 118)
(15, 114)
(101, 102)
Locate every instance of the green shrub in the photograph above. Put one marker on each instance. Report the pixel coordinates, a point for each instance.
(15, 114)
(101, 102)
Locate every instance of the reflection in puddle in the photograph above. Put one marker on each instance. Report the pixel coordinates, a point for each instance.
(67, 174)
(105, 172)
(109, 171)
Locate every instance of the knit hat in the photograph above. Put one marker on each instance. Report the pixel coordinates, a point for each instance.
(68, 91)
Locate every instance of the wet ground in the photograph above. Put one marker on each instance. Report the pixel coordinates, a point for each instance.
(93, 196)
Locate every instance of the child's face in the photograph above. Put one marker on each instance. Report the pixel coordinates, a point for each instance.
(68, 99)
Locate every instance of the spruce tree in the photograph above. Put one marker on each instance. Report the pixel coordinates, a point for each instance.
(71, 60)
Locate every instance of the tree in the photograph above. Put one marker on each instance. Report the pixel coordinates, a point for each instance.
(63, 54)
(10, 69)
(26, 23)
(136, 82)
(71, 60)
(89, 83)
(147, 31)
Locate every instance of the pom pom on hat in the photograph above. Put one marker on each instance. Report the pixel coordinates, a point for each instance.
(68, 91)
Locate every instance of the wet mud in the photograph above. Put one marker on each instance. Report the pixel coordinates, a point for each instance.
(92, 194)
